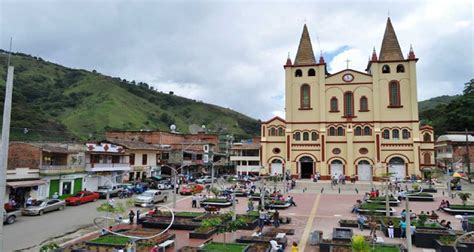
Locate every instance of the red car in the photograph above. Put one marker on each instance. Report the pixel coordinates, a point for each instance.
(82, 197)
(191, 189)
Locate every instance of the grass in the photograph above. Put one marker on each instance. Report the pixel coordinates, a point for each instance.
(187, 214)
(216, 200)
(471, 221)
(422, 194)
(382, 198)
(468, 207)
(229, 247)
(382, 248)
(111, 239)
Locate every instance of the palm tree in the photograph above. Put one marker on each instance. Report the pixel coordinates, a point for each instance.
(464, 197)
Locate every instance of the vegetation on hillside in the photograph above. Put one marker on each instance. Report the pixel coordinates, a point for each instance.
(52, 102)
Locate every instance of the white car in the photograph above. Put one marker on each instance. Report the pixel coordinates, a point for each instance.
(205, 179)
(150, 197)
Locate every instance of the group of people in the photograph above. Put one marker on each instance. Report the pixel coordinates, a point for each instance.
(338, 179)
(196, 200)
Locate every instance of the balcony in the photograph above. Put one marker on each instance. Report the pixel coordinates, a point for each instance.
(60, 169)
(248, 168)
(244, 158)
(444, 155)
(98, 167)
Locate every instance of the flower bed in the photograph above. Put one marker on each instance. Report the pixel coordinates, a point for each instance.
(262, 239)
(228, 247)
(342, 234)
(163, 222)
(459, 209)
(109, 240)
(345, 246)
(251, 222)
(424, 238)
(470, 224)
(202, 233)
(445, 244)
(419, 197)
(216, 202)
(381, 200)
(350, 224)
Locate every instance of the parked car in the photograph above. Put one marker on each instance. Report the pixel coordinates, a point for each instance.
(150, 197)
(191, 189)
(9, 216)
(42, 206)
(205, 179)
(81, 198)
(113, 191)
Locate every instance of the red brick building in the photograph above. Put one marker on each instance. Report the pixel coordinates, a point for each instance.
(451, 151)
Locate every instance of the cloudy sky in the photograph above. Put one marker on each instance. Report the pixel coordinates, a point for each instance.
(231, 54)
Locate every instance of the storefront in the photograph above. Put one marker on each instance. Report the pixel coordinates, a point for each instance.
(22, 189)
(65, 184)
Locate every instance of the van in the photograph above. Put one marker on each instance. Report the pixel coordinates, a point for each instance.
(151, 197)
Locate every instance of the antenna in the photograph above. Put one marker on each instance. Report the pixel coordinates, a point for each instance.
(10, 53)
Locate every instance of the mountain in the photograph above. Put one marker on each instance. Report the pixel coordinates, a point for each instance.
(435, 101)
(53, 102)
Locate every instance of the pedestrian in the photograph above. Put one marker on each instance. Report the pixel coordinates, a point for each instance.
(131, 215)
(390, 229)
(138, 217)
(198, 201)
(373, 226)
(464, 224)
(448, 225)
(403, 228)
(276, 218)
(262, 216)
(193, 200)
(56, 195)
(29, 201)
(129, 246)
(250, 205)
(294, 247)
(361, 221)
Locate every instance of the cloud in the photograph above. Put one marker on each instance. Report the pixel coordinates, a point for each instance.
(231, 54)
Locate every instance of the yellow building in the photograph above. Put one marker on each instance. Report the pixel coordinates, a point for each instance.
(349, 122)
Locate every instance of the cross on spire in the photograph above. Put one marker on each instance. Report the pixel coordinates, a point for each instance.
(347, 63)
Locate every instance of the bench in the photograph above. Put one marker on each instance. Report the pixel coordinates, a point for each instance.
(166, 244)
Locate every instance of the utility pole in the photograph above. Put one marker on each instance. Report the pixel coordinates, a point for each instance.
(468, 159)
(7, 107)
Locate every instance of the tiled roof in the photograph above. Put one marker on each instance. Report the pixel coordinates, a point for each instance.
(390, 49)
(305, 54)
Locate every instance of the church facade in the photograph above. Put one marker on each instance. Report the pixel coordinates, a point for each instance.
(350, 122)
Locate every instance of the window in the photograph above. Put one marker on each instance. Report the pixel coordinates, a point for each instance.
(311, 72)
(386, 134)
(340, 131)
(333, 105)
(427, 158)
(144, 159)
(280, 132)
(348, 104)
(364, 104)
(298, 73)
(367, 131)
(314, 136)
(305, 96)
(426, 137)
(358, 131)
(305, 136)
(405, 134)
(276, 150)
(394, 94)
(363, 151)
(336, 151)
(400, 69)
(385, 69)
(297, 136)
(332, 131)
(395, 134)
(132, 159)
(272, 132)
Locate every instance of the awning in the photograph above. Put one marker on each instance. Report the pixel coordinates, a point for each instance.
(26, 183)
(160, 177)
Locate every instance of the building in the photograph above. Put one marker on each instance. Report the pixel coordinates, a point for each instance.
(451, 151)
(42, 169)
(245, 156)
(106, 163)
(349, 122)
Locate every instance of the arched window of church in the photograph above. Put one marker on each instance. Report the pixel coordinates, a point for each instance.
(394, 93)
(364, 104)
(427, 137)
(305, 96)
(395, 134)
(280, 132)
(314, 136)
(405, 134)
(305, 136)
(367, 131)
(297, 136)
(386, 69)
(332, 131)
(348, 104)
(386, 134)
(427, 158)
(272, 132)
(298, 73)
(311, 72)
(400, 68)
(340, 131)
(333, 105)
(358, 131)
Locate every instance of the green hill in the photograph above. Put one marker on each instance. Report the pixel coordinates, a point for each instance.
(435, 101)
(52, 102)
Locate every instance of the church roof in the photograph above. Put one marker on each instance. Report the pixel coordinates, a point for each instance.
(305, 55)
(390, 49)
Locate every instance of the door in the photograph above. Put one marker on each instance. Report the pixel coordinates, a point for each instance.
(363, 171)
(66, 187)
(53, 187)
(277, 168)
(77, 185)
(337, 168)
(398, 171)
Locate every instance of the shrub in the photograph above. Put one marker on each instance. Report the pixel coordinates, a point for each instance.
(359, 244)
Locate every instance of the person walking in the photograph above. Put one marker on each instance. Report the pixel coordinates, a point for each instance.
(29, 201)
(373, 226)
(131, 216)
(250, 205)
(294, 247)
(193, 201)
(361, 221)
(403, 227)
(391, 229)
(262, 216)
(276, 218)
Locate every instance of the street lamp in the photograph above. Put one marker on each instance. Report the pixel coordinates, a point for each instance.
(408, 220)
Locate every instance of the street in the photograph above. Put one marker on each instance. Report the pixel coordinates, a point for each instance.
(30, 231)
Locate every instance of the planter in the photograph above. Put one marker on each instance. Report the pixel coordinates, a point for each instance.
(350, 224)
(470, 225)
(381, 211)
(330, 245)
(425, 238)
(397, 231)
(449, 248)
(178, 224)
(341, 234)
(277, 206)
(428, 197)
(214, 246)
(250, 225)
(274, 231)
(391, 202)
(460, 209)
(202, 235)
(216, 203)
(262, 239)
(430, 190)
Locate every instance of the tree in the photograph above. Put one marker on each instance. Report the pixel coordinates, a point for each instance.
(464, 197)
(359, 244)
(224, 224)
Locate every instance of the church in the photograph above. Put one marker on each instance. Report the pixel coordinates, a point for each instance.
(349, 122)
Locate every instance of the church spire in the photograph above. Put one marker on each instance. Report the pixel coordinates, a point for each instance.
(411, 54)
(305, 55)
(390, 48)
(374, 55)
(288, 60)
